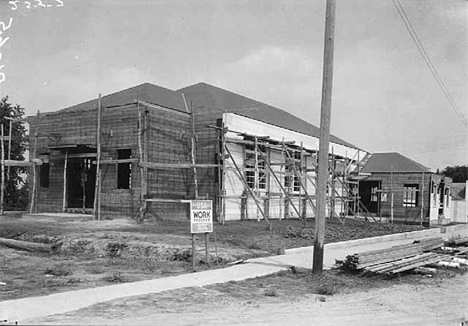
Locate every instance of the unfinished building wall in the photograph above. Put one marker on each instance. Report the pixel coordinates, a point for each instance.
(285, 185)
(407, 207)
(71, 136)
(168, 141)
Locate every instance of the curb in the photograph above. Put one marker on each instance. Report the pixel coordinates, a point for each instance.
(414, 235)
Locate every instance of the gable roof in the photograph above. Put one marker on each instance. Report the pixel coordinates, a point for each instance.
(458, 190)
(208, 97)
(392, 162)
(145, 92)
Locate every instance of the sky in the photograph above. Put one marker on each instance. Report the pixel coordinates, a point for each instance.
(384, 96)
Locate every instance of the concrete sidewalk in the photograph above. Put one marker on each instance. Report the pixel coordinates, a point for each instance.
(29, 308)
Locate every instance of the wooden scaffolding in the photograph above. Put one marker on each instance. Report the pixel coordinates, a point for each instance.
(293, 179)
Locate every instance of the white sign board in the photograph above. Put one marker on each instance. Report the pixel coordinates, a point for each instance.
(201, 216)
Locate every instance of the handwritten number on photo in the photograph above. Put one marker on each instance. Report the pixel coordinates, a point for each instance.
(3, 40)
(39, 3)
(4, 27)
(14, 4)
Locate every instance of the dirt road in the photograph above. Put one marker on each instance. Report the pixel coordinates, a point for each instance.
(442, 302)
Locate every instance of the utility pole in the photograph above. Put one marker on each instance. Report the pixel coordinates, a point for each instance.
(324, 144)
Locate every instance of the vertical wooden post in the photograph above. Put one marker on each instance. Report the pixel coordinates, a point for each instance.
(2, 191)
(146, 133)
(303, 181)
(256, 176)
(267, 172)
(193, 252)
(223, 172)
(207, 251)
(282, 166)
(325, 118)
(9, 147)
(344, 198)
(332, 184)
(142, 169)
(193, 156)
(97, 188)
(65, 169)
(391, 192)
(287, 173)
(32, 206)
(422, 199)
(216, 245)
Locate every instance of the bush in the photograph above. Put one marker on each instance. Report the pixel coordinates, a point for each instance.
(326, 290)
(270, 292)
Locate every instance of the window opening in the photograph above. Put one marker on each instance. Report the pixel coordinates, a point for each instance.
(124, 170)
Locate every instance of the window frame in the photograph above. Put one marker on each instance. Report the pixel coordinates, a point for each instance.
(250, 174)
(411, 195)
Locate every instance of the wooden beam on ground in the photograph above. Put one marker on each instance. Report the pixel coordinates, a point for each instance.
(25, 245)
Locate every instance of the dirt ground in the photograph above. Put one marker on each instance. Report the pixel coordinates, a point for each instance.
(290, 298)
(95, 253)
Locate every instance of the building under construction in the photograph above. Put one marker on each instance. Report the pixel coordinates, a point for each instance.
(145, 151)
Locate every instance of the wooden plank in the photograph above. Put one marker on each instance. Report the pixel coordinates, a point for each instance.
(165, 200)
(153, 165)
(97, 185)
(115, 161)
(65, 168)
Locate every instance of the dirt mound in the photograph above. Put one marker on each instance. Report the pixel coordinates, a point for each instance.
(114, 247)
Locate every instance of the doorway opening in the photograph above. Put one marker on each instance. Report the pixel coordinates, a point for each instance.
(369, 191)
(81, 179)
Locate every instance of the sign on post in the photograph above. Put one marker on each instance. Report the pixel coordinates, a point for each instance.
(201, 216)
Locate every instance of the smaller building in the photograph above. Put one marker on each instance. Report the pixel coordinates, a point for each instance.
(458, 211)
(394, 187)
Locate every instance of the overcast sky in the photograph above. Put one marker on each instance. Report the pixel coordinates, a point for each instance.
(384, 96)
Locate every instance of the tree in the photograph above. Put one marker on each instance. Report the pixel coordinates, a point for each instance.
(15, 183)
(458, 173)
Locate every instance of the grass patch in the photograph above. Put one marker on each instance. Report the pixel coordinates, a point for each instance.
(115, 277)
(58, 270)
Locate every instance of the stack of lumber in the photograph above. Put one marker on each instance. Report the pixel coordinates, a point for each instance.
(457, 242)
(396, 259)
(459, 252)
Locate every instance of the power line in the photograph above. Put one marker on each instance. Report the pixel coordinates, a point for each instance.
(427, 60)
